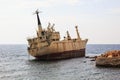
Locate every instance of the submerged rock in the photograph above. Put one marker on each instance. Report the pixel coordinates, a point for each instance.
(93, 58)
(109, 59)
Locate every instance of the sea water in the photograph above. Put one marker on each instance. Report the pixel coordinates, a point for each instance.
(16, 64)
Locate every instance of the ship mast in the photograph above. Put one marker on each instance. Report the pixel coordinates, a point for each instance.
(68, 36)
(38, 19)
(78, 35)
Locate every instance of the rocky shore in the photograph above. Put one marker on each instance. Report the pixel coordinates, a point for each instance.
(109, 59)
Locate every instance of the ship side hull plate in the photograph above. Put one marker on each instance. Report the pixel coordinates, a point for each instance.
(62, 55)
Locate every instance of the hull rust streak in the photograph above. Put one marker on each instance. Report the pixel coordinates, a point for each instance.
(63, 55)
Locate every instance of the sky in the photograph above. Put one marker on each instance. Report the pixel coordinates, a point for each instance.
(97, 20)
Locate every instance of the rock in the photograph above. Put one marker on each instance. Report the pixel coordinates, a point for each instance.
(87, 56)
(112, 53)
(90, 56)
(108, 62)
(92, 60)
(109, 59)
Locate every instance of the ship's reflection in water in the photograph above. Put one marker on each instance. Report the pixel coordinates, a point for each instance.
(15, 65)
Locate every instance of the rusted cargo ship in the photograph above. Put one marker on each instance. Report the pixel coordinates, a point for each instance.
(48, 46)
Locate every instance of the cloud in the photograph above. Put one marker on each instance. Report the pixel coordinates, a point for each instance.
(48, 3)
(115, 11)
(44, 3)
(72, 2)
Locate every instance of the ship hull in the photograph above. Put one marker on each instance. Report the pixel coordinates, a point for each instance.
(62, 55)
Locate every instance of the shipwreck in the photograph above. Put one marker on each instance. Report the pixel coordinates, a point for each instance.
(48, 46)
